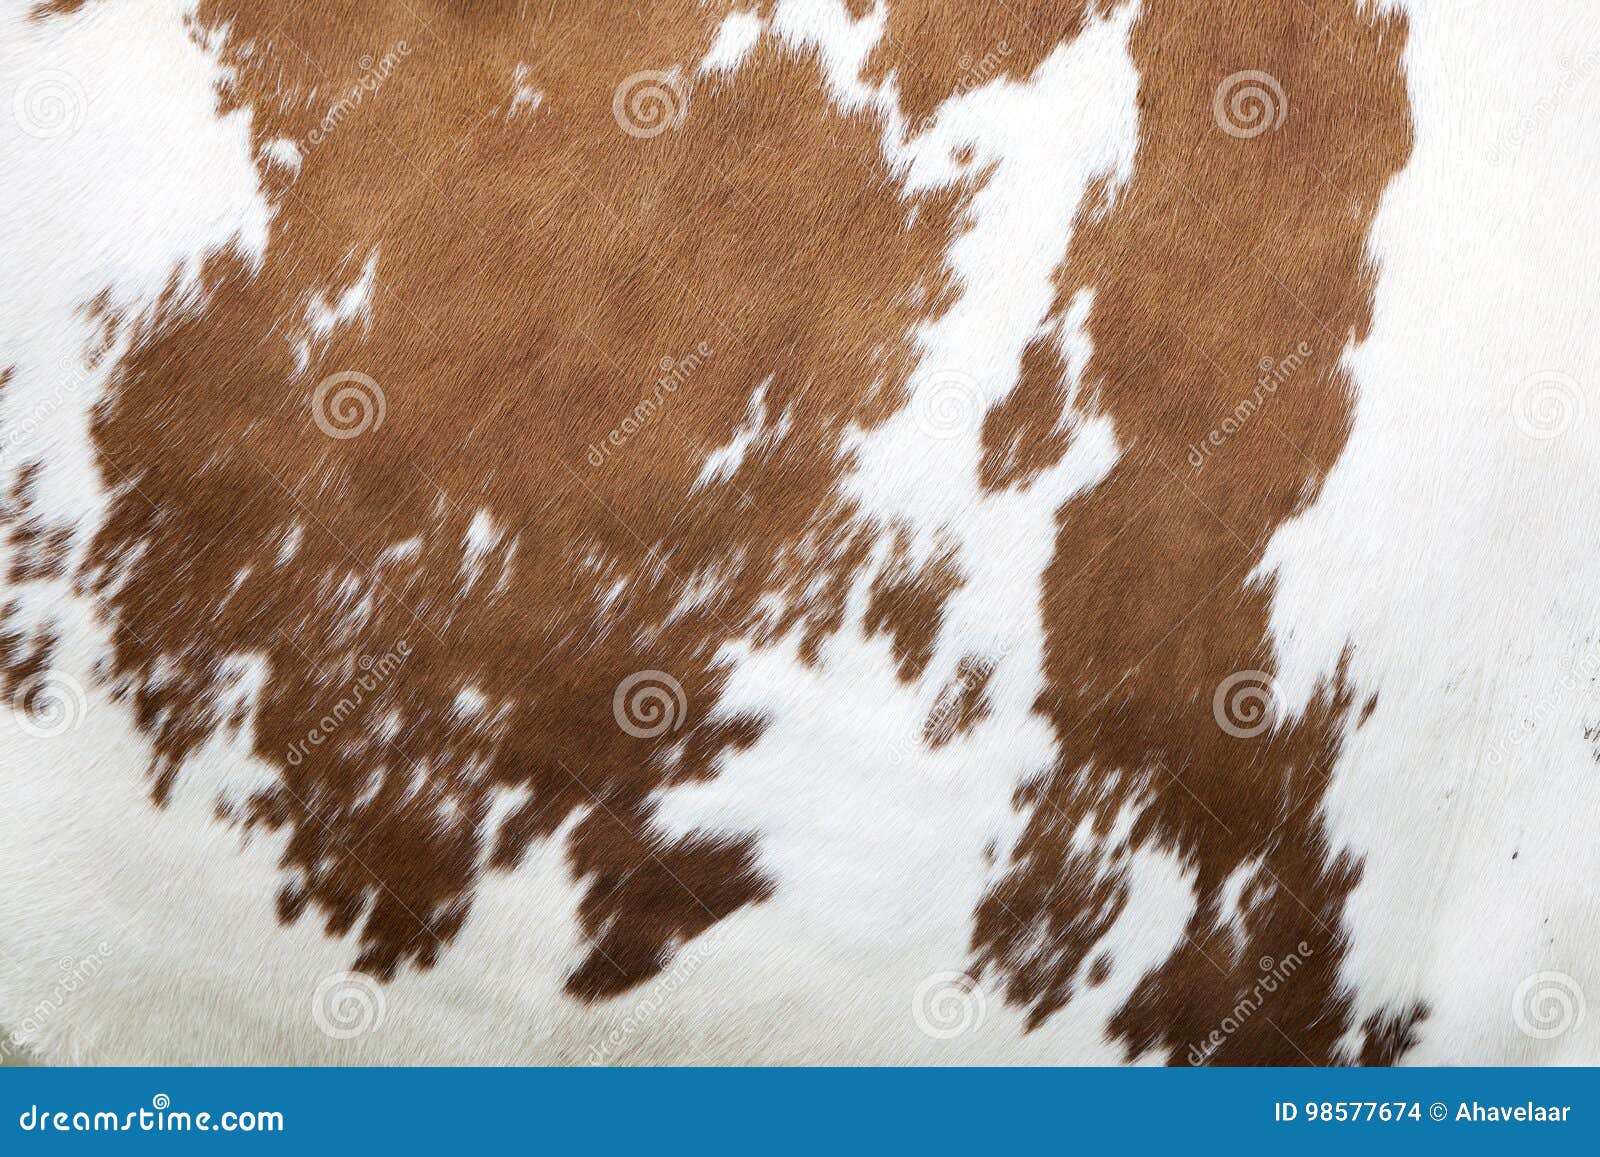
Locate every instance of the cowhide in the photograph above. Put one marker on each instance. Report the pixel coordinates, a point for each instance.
(800, 531)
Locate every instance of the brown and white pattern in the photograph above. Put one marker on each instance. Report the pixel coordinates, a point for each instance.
(799, 531)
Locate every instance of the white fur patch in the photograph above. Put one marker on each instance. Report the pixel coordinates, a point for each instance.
(1453, 551)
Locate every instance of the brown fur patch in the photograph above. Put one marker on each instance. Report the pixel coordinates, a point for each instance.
(1225, 249)
(962, 704)
(38, 551)
(567, 317)
(1388, 1036)
(908, 604)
